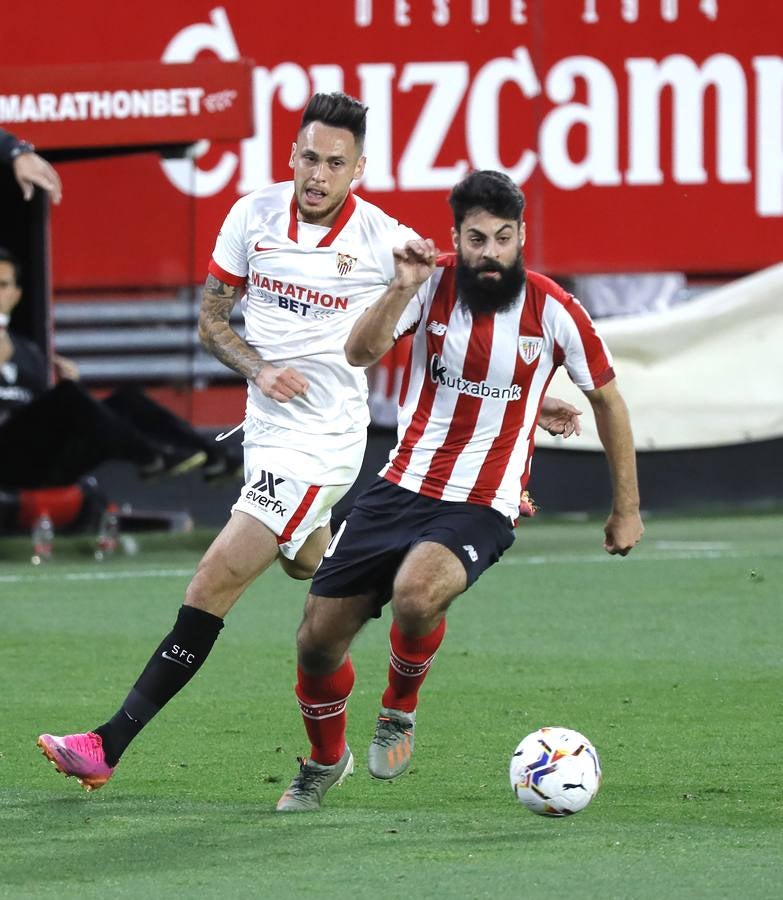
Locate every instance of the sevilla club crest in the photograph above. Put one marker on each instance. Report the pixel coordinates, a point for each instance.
(345, 263)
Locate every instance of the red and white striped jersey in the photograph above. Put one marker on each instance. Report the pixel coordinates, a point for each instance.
(473, 388)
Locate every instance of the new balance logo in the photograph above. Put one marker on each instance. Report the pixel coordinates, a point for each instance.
(471, 551)
(263, 493)
(437, 328)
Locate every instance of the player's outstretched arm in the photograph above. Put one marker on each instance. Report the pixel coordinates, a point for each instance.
(623, 528)
(217, 335)
(373, 333)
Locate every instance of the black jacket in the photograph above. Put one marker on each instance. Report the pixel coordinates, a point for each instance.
(22, 378)
(7, 143)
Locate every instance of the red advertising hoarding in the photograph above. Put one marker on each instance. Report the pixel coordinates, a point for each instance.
(126, 104)
(646, 134)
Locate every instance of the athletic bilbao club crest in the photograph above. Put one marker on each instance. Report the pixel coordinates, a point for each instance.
(345, 263)
(530, 348)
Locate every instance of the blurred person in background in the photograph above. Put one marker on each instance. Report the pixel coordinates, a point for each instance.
(51, 437)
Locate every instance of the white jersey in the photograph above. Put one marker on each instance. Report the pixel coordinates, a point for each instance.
(472, 390)
(306, 285)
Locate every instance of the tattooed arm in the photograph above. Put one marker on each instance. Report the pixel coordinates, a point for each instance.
(217, 335)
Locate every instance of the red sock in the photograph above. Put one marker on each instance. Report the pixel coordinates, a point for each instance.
(322, 700)
(409, 662)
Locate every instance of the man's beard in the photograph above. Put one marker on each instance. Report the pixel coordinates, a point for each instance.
(489, 295)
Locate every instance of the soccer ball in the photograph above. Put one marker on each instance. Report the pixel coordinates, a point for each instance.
(555, 772)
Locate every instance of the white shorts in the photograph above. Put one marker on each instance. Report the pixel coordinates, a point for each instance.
(292, 479)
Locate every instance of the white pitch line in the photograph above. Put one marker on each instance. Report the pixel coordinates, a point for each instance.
(641, 555)
(516, 560)
(95, 576)
(693, 545)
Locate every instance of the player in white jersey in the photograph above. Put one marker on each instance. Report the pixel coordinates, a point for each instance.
(488, 337)
(311, 257)
(306, 285)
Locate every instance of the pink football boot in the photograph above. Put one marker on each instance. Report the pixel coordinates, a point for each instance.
(80, 755)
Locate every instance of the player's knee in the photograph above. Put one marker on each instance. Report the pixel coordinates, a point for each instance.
(302, 570)
(416, 601)
(197, 593)
(213, 587)
(316, 654)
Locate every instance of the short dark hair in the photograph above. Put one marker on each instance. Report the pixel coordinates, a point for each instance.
(7, 257)
(489, 190)
(338, 110)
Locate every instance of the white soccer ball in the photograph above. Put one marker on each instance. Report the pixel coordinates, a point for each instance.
(555, 771)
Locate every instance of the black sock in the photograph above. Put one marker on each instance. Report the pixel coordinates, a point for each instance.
(177, 659)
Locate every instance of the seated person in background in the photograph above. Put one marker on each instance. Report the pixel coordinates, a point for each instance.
(53, 436)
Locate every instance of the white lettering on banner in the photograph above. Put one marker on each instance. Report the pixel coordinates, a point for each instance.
(709, 8)
(448, 80)
(515, 11)
(722, 75)
(688, 83)
(440, 12)
(80, 106)
(479, 12)
(598, 115)
(483, 130)
(402, 12)
(518, 12)
(219, 100)
(185, 46)
(769, 150)
(376, 89)
(289, 85)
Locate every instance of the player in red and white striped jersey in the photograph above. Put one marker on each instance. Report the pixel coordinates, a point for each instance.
(488, 336)
(474, 384)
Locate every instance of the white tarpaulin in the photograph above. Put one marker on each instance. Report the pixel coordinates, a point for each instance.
(706, 373)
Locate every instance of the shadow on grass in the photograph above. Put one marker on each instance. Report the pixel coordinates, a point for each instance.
(94, 840)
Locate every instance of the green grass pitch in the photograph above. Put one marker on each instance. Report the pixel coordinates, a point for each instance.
(669, 660)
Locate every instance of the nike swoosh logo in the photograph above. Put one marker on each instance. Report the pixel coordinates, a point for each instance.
(174, 659)
(260, 249)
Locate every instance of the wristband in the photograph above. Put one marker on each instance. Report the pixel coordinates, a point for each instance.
(19, 148)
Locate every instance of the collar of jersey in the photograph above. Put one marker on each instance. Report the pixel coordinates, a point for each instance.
(339, 223)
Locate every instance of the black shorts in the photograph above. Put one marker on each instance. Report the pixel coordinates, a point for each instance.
(387, 521)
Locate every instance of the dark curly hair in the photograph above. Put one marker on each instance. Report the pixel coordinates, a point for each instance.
(338, 110)
(489, 190)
